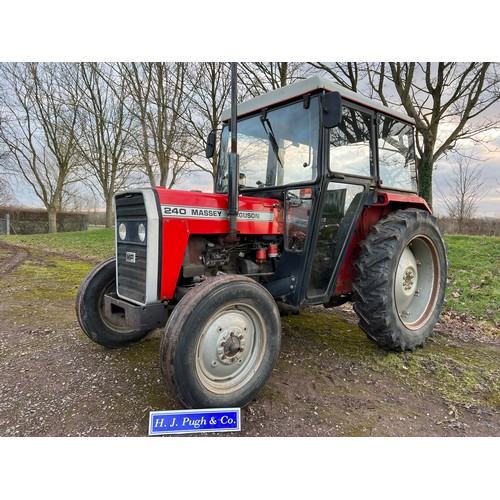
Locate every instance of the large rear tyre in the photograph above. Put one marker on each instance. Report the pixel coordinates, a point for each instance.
(221, 343)
(108, 330)
(401, 280)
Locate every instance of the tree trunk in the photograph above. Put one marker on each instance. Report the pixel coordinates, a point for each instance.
(52, 216)
(110, 219)
(425, 167)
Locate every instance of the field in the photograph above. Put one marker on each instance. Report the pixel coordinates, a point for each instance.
(474, 277)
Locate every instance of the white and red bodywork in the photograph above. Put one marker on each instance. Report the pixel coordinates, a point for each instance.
(188, 213)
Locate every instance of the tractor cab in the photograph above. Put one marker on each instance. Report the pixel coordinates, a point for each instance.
(326, 154)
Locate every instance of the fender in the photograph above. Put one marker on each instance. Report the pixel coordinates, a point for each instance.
(387, 202)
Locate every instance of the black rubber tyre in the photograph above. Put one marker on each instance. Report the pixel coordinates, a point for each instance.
(102, 329)
(221, 343)
(401, 280)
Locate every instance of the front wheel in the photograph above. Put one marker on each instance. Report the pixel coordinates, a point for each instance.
(107, 328)
(221, 343)
(401, 280)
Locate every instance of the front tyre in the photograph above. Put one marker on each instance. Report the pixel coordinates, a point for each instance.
(221, 343)
(401, 280)
(107, 329)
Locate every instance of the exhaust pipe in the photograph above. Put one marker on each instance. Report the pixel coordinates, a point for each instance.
(233, 174)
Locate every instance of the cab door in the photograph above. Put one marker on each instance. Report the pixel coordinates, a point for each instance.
(351, 175)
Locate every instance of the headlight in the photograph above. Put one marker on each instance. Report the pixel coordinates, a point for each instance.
(141, 231)
(122, 231)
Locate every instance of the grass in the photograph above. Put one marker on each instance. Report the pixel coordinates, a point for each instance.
(473, 277)
(96, 245)
(55, 278)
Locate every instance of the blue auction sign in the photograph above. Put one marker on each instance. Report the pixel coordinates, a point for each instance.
(184, 421)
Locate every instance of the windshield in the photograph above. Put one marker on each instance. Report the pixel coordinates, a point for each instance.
(275, 148)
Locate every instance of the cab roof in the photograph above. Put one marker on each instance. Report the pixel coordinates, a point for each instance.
(306, 86)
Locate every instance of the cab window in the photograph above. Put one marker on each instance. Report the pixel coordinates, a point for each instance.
(396, 154)
(350, 144)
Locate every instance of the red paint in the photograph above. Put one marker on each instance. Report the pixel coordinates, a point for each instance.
(387, 203)
(177, 227)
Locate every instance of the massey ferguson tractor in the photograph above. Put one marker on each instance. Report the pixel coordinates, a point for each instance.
(315, 203)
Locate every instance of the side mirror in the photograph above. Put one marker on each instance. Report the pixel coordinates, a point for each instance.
(210, 146)
(332, 110)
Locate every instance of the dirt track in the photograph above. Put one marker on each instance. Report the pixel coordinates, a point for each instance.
(330, 379)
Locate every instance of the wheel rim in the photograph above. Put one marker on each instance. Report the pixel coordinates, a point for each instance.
(231, 348)
(416, 283)
(115, 321)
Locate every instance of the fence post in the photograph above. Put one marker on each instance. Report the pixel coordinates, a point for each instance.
(7, 223)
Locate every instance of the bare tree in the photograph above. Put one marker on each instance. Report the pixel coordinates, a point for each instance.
(466, 186)
(159, 103)
(5, 190)
(439, 94)
(6, 197)
(447, 100)
(105, 131)
(82, 197)
(210, 87)
(39, 131)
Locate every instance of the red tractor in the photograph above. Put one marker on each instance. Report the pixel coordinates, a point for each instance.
(317, 204)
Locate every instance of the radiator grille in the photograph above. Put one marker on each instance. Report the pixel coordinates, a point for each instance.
(131, 253)
(132, 275)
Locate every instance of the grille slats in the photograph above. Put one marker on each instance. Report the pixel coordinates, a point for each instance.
(131, 276)
(130, 205)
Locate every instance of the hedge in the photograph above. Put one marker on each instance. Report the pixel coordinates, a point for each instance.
(35, 221)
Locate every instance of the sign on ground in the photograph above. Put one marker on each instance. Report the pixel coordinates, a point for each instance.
(188, 421)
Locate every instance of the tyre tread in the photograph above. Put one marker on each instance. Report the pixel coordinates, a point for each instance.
(373, 269)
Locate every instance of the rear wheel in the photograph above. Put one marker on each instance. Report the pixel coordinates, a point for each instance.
(107, 329)
(401, 280)
(221, 343)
